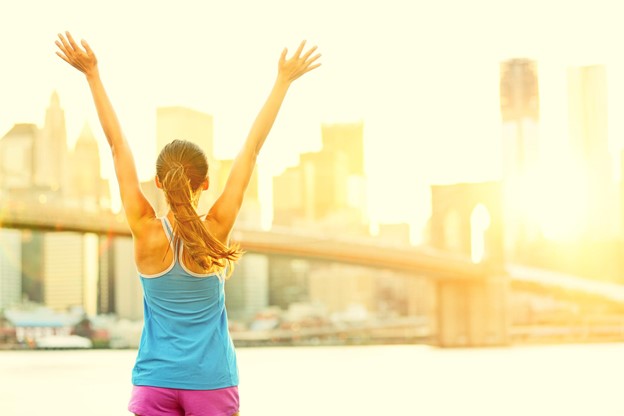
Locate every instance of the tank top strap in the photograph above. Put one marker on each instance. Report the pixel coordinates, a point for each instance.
(169, 233)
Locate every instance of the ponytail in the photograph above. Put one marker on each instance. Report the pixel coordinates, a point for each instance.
(203, 247)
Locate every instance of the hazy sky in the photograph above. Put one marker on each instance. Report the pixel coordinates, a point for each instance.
(422, 75)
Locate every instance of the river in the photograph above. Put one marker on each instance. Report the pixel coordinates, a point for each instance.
(583, 380)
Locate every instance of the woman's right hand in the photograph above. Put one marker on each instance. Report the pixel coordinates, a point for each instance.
(83, 60)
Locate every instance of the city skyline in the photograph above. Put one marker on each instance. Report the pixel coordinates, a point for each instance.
(440, 94)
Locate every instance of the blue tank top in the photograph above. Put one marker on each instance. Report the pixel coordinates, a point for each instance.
(185, 343)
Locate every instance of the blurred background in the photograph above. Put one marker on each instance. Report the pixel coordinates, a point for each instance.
(449, 177)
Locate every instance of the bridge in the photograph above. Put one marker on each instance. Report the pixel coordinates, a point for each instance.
(304, 244)
(471, 298)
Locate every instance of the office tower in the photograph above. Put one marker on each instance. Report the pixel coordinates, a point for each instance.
(327, 189)
(250, 214)
(186, 124)
(519, 104)
(288, 281)
(106, 276)
(289, 194)
(247, 290)
(87, 187)
(347, 138)
(63, 270)
(16, 153)
(346, 142)
(31, 266)
(341, 287)
(10, 268)
(51, 153)
(128, 292)
(588, 130)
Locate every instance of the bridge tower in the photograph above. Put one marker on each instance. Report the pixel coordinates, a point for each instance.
(467, 220)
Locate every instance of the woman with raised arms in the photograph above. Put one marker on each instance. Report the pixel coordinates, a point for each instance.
(186, 363)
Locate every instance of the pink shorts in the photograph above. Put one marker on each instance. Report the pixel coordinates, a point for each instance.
(159, 401)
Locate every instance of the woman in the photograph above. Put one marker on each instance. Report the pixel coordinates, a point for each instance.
(186, 364)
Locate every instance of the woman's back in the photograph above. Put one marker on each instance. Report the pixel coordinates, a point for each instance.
(185, 342)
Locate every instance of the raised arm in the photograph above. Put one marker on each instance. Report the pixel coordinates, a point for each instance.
(226, 207)
(136, 206)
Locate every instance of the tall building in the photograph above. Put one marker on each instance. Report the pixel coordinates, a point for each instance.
(288, 281)
(51, 153)
(128, 293)
(519, 104)
(106, 276)
(328, 188)
(17, 156)
(250, 214)
(289, 194)
(10, 268)
(87, 188)
(347, 138)
(186, 124)
(588, 129)
(63, 270)
(339, 287)
(247, 290)
(32, 266)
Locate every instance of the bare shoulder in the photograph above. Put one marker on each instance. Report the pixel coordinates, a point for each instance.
(151, 234)
(151, 248)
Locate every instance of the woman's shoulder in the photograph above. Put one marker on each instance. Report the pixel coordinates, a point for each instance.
(152, 231)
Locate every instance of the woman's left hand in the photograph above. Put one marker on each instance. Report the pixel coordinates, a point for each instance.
(83, 60)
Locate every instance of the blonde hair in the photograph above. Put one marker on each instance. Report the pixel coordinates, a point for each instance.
(181, 168)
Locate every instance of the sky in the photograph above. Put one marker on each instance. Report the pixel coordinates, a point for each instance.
(423, 77)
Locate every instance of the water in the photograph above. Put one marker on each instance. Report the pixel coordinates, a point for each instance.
(363, 381)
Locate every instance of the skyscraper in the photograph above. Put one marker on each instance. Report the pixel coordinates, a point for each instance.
(347, 138)
(87, 186)
(519, 101)
(63, 269)
(327, 188)
(17, 154)
(128, 293)
(247, 291)
(10, 268)
(588, 129)
(51, 149)
(519, 104)
(250, 213)
(289, 194)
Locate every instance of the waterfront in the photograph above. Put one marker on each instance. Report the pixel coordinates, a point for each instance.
(356, 380)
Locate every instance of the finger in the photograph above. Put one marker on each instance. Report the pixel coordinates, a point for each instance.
(72, 42)
(308, 53)
(61, 47)
(314, 58)
(283, 56)
(299, 49)
(310, 68)
(68, 48)
(87, 47)
(63, 57)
